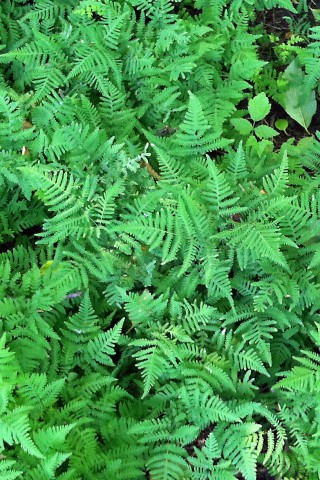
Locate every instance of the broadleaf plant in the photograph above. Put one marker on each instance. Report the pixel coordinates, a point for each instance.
(298, 102)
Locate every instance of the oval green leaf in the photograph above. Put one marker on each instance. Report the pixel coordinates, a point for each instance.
(263, 131)
(282, 124)
(259, 107)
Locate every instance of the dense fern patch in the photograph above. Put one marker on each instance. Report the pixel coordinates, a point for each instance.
(159, 242)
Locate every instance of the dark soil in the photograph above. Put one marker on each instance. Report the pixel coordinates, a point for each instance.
(263, 474)
(5, 246)
(273, 21)
(26, 235)
(199, 441)
(315, 4)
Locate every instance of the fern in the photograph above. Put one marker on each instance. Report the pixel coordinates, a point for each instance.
(193, 137)
(159, 267)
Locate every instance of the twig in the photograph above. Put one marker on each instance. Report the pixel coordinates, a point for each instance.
(150, 170)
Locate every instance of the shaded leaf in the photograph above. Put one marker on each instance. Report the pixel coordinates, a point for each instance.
(299, 104)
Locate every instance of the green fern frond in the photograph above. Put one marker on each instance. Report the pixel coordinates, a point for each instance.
(168, 463)
(7, 473)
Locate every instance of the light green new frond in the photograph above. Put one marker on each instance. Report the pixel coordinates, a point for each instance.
(237, 164)
(211, 448)
(195, 121)
(88, 8)
(277, 183)
(113, 100)
(219, 195)
(195, 135)
(102, 347)
(105, 206)
(85, 319)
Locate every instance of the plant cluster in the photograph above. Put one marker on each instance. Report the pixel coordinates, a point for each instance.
(160, 259)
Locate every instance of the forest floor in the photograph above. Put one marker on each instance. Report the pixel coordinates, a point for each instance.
(274, 22)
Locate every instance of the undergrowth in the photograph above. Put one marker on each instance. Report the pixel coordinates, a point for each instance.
(160, 280)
